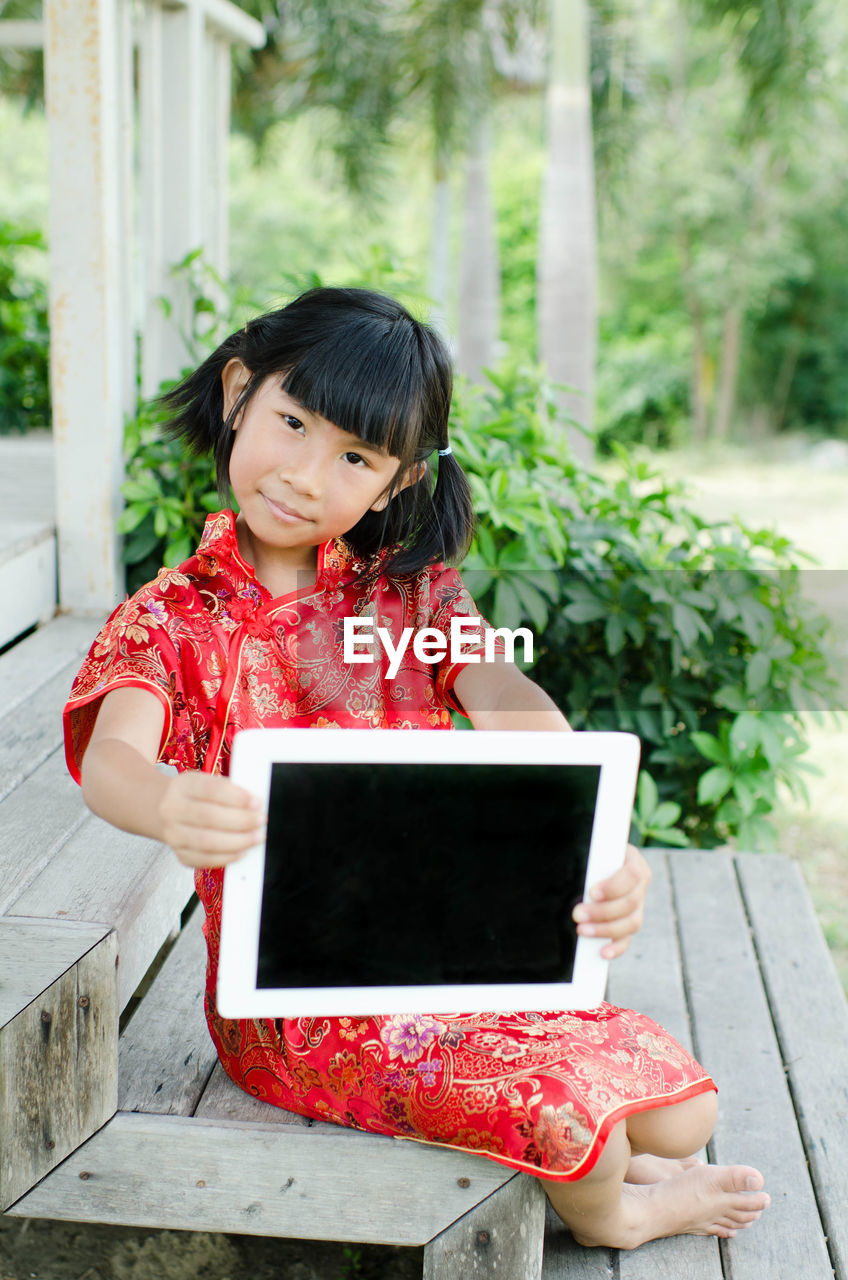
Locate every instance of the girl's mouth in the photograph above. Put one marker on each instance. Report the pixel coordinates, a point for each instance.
(284, 513)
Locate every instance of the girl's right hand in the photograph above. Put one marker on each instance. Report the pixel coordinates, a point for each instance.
(208, 821)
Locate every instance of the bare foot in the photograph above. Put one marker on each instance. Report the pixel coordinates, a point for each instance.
(646, 1168)
(705, 1200)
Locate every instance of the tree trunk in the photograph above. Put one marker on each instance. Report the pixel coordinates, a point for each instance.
(479, 280)
(440, 249)
(729, 371)
(700, 390)
(567, 265)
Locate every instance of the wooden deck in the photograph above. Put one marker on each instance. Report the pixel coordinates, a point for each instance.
(27, 533)
(731, 960)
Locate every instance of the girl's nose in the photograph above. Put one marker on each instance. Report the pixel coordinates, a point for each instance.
(305, 471)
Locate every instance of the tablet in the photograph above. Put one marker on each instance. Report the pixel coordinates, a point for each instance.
(421, 871)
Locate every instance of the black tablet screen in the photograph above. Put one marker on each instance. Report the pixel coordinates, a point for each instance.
(419, 874)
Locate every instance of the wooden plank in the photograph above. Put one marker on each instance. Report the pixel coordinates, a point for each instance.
(502, 1236)
(648, 977)
(224, 1100)
(166, 1055)
(26, 740)
(35, 821)
(131, 884)
(34, 953)
(273, 1180)
(58, 1070)
(51, 649)
(564, 1259)
(28, 587)
(811, 1018)
(735, 1039)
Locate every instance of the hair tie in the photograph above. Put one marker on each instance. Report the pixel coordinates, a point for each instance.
(443, 453)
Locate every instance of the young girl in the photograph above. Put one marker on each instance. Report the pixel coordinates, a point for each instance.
(324, 418)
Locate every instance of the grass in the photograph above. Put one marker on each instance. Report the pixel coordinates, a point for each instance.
(782, 485)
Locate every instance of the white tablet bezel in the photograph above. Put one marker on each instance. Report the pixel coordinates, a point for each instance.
(255, 750)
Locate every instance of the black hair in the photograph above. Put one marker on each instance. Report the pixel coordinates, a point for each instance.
(359, 359)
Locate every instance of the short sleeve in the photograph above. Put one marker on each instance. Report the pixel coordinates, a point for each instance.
(133, 650)
(451, 599)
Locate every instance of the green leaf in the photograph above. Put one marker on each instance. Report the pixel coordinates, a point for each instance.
(507, 610)
(614, 634)
(160, 522)
(688, 624)
(647, 795)
(176, 552)
(534, 603)
(672, 836)
(666, 814)
(709, 747)
(132, 517)
(757, 672)
(744, 735)
(585, 610)
(756, 833)
(714, 784)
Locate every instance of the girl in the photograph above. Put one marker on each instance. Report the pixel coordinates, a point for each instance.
(324, 418)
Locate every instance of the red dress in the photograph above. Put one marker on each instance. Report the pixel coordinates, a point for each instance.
(536, 1091)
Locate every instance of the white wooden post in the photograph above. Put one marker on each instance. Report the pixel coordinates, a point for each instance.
(90, 315)
(218, 78)
(184, 127)
(152, 281)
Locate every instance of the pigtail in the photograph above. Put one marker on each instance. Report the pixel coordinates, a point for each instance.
(449, 526)
(423, 524)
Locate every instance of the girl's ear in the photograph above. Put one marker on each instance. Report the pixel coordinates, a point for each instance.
(412, 476)
(234, 378)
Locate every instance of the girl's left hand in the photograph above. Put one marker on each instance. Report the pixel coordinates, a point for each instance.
(615, 907)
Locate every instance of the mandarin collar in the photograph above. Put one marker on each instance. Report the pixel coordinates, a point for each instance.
(219, 550)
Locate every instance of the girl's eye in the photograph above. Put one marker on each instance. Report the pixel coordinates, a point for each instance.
(355, 458)
(292, 421)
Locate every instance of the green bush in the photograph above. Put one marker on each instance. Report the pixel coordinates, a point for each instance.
(24, 335)
(695, 636)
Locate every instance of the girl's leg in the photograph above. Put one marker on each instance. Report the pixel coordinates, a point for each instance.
(603, 1209)
(687, 1130)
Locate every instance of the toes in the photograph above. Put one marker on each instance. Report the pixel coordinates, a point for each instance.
(744, 1178)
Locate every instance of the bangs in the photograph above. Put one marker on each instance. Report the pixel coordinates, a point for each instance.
(366, 381)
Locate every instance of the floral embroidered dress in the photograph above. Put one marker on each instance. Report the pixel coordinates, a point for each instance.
(536, 1091)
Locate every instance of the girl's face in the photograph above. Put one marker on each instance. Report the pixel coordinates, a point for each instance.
(299, 480)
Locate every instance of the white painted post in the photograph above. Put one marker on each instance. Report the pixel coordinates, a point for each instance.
(185, 79)
(153, 277)
(90, 316)
(219, 79)
(183, 190)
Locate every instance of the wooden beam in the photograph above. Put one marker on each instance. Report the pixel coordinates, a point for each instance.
(733, 1025)
(227, 20)
(58, 1044)
(21, 33)
(811, 1019)
(271, 1180)
(503, 1236)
